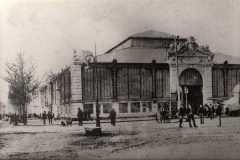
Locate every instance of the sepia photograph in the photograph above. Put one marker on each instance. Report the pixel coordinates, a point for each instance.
(119, 79)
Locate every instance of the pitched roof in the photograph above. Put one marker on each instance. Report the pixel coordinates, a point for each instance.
(135, 55)
(153, 34)
(147, 34)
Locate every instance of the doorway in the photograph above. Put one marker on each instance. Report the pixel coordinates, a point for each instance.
(194, 97)
(192, 79)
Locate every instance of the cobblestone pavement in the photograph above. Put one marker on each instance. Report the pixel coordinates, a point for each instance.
(132, 139)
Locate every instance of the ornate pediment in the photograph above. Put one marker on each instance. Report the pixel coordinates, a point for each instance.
(190, 49)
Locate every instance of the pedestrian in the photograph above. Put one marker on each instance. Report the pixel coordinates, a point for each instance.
(164, 112)
(50, 117)
(113, 117)
(161, 112)
(40, 115)
(219, 113)
(208, 110)
(185, 113)
(53, 116)
(80, 117)
(15, 122)
(190, 116)
(11, 118)
(181, 114)
(85, 115)
(212, 111)
(89, 114)
(44, 117)
(201, 112)
(227, 111)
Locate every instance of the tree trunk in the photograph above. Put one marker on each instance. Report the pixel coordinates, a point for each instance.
(24, 115)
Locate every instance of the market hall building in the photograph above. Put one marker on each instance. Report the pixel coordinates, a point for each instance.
(139, 75)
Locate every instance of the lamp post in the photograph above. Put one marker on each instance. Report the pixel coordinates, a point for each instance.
(90, 58)
(186, 92)
(178, 92)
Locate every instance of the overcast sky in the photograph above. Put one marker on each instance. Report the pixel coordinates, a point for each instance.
(49, 30)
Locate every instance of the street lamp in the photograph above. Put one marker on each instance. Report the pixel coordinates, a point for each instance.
(186, 92)
(90, 58)
(178, 92)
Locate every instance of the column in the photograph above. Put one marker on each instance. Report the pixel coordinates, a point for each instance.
(208, 85)
(153, 80)
(114, 79)
(76, 89)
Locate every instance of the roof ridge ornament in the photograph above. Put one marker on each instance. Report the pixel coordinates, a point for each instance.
(190, 48)
(192, 45)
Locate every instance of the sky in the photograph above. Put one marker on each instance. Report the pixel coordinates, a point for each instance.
(49, 30)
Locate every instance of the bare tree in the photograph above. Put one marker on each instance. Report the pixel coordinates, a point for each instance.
(22, 83)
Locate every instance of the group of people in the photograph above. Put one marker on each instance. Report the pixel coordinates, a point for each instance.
(164, 110)
(81, 114)
(202, 110)
(49, 116)
(14, 118)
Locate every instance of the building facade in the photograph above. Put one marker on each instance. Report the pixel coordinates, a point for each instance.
(146, 70)
(143, 73)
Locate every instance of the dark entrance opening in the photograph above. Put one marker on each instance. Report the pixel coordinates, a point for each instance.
(192, 79)
(194, 97)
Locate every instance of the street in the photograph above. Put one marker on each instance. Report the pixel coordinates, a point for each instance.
(135, 139)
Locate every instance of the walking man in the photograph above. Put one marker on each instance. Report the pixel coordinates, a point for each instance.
(201, 111)
(44, 116)
(181, 115)
(50, 117)
(113, 117)
(219, 113)
(212, 111)
(190, 116)
(80, 117)
(11, 118)
(165, 111)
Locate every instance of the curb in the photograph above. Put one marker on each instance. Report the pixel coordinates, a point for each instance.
(89, 122)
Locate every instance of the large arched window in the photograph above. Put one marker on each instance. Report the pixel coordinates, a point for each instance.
(190, 77)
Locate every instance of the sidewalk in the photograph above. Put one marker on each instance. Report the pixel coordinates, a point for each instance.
(39, 122)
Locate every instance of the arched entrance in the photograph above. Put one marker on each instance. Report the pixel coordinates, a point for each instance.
(192, 79)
